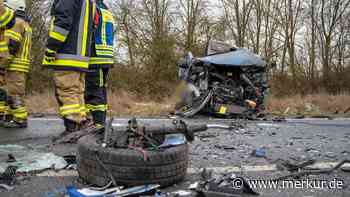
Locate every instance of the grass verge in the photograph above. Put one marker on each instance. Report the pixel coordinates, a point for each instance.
(125, 104)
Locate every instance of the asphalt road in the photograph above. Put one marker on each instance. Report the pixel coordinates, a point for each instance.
(295, 141)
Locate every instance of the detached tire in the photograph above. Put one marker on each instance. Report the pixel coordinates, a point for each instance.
(128, 166)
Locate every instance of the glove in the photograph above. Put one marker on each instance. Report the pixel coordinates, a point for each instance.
(251, 104)
(50, 55)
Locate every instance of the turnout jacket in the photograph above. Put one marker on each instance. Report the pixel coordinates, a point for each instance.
(7, 20)
(19, 39)
(70, 34)
(103, 40)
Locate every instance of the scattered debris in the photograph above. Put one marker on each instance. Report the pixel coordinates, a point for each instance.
(225, 147)
(291, 167)
(183, 193)
(6, 187)
(345, 169)
(173, 140)
(133, 191)
(206, 174)
(227, 185)
(9, 176)
(311, 151)
(202, 136)
(73, 138)
(71, 162)
(90, 192)
(331, 155)
(194, 186)
(259, 152)
(11, 158)
(28, 160)
(70, 159)
(312, 172)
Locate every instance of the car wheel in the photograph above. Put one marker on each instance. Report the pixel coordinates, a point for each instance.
(128, 166)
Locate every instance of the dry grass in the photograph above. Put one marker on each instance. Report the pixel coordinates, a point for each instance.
(121, 104)
(42, 103)
(125, 104)
(310, 105)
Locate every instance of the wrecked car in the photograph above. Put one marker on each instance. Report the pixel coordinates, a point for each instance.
(228, 82)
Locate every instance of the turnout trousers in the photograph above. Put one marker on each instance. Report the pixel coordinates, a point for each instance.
(96, 94)
(12, 94)
(69, 89)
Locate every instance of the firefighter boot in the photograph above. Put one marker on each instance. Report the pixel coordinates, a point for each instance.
(72, 136)
(89, 126)
(13, 124)
(99, 117)
(17, 117)
(71, 127)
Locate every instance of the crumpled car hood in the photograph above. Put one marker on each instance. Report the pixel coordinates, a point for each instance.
(240, 57)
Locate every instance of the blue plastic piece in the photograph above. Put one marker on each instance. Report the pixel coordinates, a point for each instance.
(259, 152)
(173, 140)
(73, 192)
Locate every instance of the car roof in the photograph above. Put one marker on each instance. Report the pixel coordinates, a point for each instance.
(238, 58)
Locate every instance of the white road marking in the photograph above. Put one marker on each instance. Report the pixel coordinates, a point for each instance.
(217, 170)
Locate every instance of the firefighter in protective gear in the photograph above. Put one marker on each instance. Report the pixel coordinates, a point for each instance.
(7, 20)
(100, 62)
(68, 53)
(13, 75)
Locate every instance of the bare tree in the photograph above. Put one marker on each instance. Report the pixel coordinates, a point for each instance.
(289, 17)
(193, 16)
(237, 15)
(331, 14)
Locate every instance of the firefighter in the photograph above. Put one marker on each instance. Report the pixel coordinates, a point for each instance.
(13, 77)
(100, 63)
(7, 20)
(67, 54)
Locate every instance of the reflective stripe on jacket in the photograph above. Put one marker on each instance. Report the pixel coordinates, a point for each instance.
(21, 33)
(7, 20)
(7, 16)
(70, 34)
(103, 50)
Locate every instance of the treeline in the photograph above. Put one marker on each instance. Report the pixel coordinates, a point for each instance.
(308, 42)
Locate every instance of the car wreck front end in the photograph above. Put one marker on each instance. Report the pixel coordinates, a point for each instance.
(226, 84)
